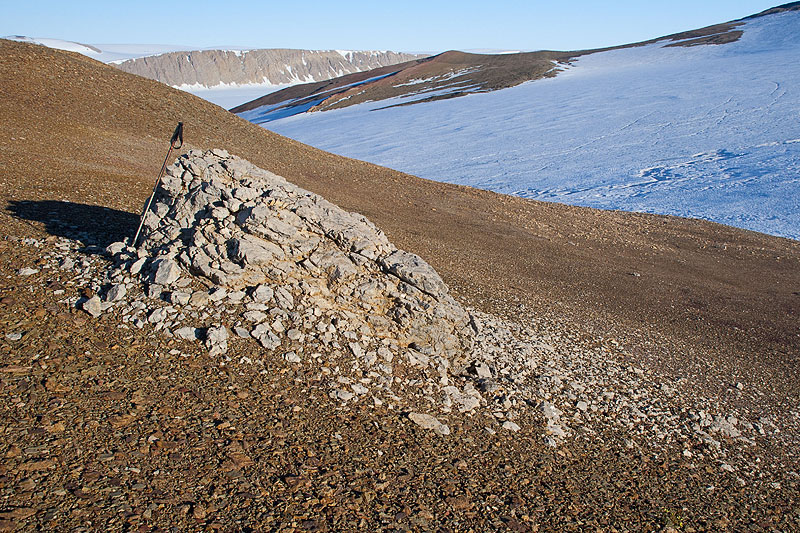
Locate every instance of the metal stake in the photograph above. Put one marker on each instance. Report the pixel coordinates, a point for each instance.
(174, 143)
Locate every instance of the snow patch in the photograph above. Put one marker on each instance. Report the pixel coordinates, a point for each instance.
(709, 132)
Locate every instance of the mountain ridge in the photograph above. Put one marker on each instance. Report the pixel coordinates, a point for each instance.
(273, 66)
(453, 73)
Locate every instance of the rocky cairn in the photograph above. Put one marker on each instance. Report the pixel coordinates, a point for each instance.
(296, 274)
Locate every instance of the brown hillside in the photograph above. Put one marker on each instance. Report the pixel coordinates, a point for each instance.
(80, 132)
(453, 73)
(109, 427)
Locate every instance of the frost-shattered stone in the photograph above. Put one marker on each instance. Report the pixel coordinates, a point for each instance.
(217, 340)
(166, 271)
(292, 357)
(262, 294)
(116, 292)
(93, 306)
(426, 421)
(187, 333)
(115, 247)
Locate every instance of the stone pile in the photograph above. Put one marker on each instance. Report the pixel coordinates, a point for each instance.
(274, 263)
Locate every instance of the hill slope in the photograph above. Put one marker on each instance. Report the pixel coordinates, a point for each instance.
(122, 428)
(453, 74)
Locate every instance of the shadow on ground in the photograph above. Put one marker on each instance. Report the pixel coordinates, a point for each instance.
(93, 225)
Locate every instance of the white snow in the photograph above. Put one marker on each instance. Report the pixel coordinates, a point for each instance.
(705, 131)
(231, 95)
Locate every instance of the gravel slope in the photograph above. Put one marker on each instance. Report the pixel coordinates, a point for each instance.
(713, 307)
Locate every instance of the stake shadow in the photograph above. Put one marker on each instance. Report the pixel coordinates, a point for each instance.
(93, 225)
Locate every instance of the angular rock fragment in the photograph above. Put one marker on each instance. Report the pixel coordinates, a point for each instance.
(166, 271)
(426, 421)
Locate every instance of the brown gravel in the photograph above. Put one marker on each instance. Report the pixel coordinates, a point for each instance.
(80, 148)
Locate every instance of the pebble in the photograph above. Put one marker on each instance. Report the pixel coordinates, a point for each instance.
(292, 357)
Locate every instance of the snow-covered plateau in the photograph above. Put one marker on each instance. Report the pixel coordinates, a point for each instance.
(709, 132)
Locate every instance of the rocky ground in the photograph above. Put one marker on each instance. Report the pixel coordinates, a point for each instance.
(108, 426)
(287, 376)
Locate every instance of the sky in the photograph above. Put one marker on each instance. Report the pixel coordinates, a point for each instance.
(409, 26)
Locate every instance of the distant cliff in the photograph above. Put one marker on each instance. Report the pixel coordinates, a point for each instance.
(274, 66)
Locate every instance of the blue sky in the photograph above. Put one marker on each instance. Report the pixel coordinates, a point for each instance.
(405, 26)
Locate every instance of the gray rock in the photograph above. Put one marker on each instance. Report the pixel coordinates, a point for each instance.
(344, 395)
(27, 271)
(415, 271)
(262, 294)
(93, 306)
(166, 271)
(292, 357)
(217, 340)
(158, 315)
(187, 333)
(137, 265)
(255, 316)
(115, 248)
(511, 426)
(116, 292)
(180, 297)
(426, 421)
(251, 250)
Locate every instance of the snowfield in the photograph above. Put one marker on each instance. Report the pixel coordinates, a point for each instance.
(709, 132)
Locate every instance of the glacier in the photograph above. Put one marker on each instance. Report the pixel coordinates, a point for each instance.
(710, 132)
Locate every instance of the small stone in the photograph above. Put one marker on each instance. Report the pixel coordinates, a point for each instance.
(180, 297)
(262, 294)
(115, 247)
(511, 426)
(13, 336)
(116, 292)
(254, 316)
(187, 333)
(217, 294)
(136, 267)
(359, 389)
(217, 340)
(292, 357)
(344, 395)
(236, 296)
(167, 271)
(582, 406)
(93, 306)
(241, 332)
(158, 315)
(294, 334)
(27, 271)
(426, 421)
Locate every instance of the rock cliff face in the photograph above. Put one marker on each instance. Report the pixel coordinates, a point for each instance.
(270, 66)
